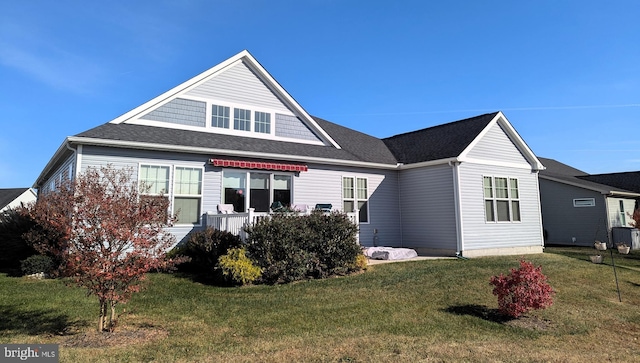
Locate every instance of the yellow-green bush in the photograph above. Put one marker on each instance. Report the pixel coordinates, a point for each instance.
(238, 268)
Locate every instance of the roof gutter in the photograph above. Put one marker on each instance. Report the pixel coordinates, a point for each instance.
(238, 153)
(605, 192)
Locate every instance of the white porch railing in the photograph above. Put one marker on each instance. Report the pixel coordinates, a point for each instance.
(235, 222)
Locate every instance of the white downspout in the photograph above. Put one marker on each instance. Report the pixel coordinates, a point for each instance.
(458, 208)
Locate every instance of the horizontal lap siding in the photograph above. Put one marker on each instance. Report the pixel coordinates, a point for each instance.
(479, 234)
(618, 217)
(62, 173)
(428, 208)
(324, 185)
(562, 221)
(127, 158)
(239, 85)
(495, 145)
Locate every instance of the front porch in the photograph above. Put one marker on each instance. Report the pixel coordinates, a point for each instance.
(235, 222)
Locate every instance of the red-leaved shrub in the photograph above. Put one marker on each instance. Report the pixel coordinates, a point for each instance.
(524, 289)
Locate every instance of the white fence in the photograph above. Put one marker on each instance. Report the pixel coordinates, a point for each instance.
(235, 222)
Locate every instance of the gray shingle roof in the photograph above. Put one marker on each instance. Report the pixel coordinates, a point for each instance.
(9, 195)
(356, 146)
(567, 174)
(627, 180)
(438, 142)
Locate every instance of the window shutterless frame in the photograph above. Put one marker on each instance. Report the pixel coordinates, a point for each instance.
(501, 196)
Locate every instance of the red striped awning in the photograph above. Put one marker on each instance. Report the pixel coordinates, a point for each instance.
(257, 165)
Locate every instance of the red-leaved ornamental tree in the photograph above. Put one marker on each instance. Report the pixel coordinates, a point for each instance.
(524, 289)
(106, 235)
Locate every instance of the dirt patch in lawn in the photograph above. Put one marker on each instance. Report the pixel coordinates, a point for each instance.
(122, 336)
(530, 322)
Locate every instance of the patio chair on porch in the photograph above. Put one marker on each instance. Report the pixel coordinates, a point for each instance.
(225, 209)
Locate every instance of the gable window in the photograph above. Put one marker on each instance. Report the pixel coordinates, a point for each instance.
(262, 122)
(187, 195)
(355, 194)
(584, 202)
(501, 199)
(220, 116)
(241, 119)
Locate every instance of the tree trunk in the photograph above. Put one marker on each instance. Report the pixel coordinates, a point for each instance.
(103, 315)
(112, 319)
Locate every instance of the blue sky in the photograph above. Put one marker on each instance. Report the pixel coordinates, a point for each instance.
(565, 73)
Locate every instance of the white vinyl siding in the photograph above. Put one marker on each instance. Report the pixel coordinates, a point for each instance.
(427, 204)
(239, 85)
(477, 232)
(496, 146)
(384, 224)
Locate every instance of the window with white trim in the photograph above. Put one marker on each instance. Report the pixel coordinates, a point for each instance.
(355, 194)
(187, 195)
(262, 122)
(584, 202)
(241, 119)
(154, 183)
(220, 116)
(265, 190)
(501, 199)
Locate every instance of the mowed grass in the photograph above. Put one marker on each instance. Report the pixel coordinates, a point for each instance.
(431, 311)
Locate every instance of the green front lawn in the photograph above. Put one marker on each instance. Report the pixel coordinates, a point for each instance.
(434, 310)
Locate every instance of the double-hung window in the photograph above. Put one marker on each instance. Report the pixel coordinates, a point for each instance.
(241, 119)
(185, 196)
(355, 194)
(501, 199)
(154, 184)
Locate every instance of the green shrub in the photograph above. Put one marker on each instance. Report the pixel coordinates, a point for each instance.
(238, 268)
(290, 247)
(205, 248)
(13, 248)
(36, 264)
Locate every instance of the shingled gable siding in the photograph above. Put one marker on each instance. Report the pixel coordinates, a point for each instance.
(322, 184)
(497, 146)
(293, 127)
(562, 220)
(239, 85)
(480, 234)
(180, 111)
(428, 208)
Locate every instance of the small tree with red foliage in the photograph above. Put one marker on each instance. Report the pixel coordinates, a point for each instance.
(106, 236)
(524, 289)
